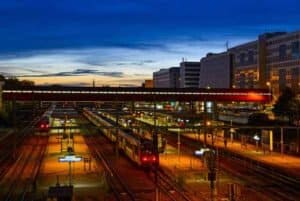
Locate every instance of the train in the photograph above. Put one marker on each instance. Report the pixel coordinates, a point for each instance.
(43, 125)
(140, 151)
(139, 132)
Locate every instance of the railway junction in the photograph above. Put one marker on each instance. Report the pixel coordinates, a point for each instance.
(89, 150)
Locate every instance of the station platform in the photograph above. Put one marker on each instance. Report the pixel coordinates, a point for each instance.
(85, 177)
(287, 163)
(191, 174)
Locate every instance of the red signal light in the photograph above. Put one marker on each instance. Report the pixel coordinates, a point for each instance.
(144, 158)
(154, 158)
(42, 126)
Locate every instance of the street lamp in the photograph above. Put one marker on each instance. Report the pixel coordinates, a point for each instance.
(180, 124)
(256, 138)
(270, 90)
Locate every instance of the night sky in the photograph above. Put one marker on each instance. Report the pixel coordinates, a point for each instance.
(121, 42)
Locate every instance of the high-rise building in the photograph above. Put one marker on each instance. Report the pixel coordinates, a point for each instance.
(189, 74)
(166, 78)
(216, 70)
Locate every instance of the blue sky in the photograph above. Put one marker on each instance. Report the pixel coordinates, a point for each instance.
(121, 42)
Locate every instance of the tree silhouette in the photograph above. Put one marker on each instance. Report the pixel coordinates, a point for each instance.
(287, 104)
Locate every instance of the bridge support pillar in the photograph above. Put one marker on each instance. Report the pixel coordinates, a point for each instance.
(1, 103)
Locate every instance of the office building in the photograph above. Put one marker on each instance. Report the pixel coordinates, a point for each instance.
(216, 70)
(189, 74)
(166, 78)
(283, 61)
(245, 65)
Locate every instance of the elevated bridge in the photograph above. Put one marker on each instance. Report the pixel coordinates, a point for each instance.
(44, 93)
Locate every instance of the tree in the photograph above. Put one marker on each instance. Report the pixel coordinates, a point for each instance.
(27, 83)
(286, 105)
(2, 78)
(14, 82)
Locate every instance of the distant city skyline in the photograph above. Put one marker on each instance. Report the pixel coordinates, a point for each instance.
(122, 43)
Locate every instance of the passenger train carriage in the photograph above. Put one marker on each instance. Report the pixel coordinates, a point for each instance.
(140, 151)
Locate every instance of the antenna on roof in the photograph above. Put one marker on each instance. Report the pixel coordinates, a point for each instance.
(227, 45)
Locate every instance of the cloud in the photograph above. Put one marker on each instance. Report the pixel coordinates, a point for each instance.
(78, 72)
(112, 63)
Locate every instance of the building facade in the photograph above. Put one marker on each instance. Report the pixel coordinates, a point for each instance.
(167, 78)
(216, 70)
(148, 84)
(245, 65)
(189, 74)
(283, 62)
(272, 61)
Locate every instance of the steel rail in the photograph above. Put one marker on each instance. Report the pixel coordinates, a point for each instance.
(119, 188)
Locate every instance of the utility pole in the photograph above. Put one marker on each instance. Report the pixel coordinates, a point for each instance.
(14, 128)
(205, 124)
(117, 132)
(155, 144)
(211, 164)
(1, 101)
(281, 142)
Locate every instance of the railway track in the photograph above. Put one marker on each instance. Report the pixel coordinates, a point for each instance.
(18, 182)
(120, 190)
(9, 146)
(268, 182)
(166, 184)
(258, 177)
(170, 187)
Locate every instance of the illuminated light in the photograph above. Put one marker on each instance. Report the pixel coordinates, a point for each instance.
(70, 158)
(254, 96)
(256, 137)
(154, 158)
(208, 104)
(201, 151)
(42, 126)
(242, 95)
(159, 107)
(47, 126)
(145, 158)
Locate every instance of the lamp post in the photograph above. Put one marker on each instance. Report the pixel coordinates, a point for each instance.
(180, 124)
(208, 123)
(231, 132)
(256, 138)
(270, 90)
